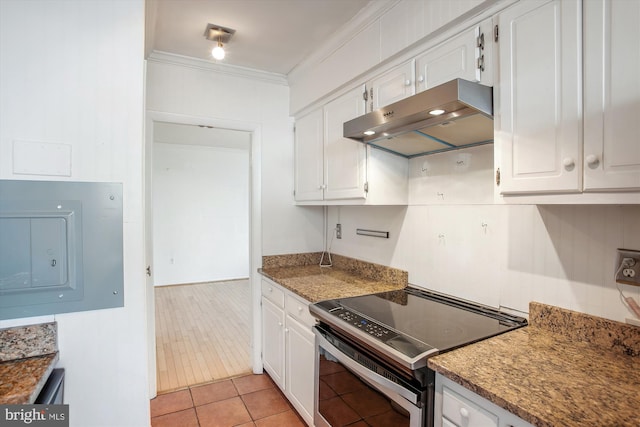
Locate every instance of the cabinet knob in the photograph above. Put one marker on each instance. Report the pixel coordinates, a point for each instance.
(279, 323)
(568, 163)
(464, 413)
(421, 78)
(592, 160)
(407, 82)
(270, 289)
(299, 309)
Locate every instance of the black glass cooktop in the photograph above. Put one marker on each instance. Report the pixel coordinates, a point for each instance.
(413, 323)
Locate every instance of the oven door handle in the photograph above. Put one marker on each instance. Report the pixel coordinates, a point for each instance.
(368, 374)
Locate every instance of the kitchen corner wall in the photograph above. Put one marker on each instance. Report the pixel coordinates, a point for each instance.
(193, 90)
(453, 239)
(71, 76)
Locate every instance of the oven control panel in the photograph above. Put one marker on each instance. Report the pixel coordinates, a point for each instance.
(365, 325)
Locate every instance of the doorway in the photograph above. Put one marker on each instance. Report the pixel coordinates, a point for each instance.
(176, 266)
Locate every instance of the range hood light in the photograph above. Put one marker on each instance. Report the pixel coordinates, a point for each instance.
(424, 123)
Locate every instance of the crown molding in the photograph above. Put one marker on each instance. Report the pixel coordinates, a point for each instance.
(201, 64)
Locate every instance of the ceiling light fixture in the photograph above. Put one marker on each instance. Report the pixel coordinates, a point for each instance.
(218, 52)
(220, 35)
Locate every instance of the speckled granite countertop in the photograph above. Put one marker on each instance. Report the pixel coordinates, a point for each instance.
(301, 274)
(565, 369)
(21, 380)
(28, 354)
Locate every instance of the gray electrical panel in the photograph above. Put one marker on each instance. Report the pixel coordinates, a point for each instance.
(61, 247)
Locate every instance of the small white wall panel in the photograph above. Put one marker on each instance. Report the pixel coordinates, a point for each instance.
(41, 158)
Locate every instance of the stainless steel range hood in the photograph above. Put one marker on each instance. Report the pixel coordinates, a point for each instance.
(412, 127)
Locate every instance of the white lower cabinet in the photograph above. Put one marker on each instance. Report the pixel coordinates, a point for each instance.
(273, 331)
(288, 346)
(456, 406)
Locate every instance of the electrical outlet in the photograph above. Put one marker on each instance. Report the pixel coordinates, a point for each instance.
(338, 231)
(628, 267)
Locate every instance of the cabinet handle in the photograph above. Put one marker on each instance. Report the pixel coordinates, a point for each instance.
(464, 413)
(420, 78)
(592, 160)
(270, 289)
(279, 323)
(407, 82)
(480, 41)
(300, 309)
(286, 330)
(568, 163)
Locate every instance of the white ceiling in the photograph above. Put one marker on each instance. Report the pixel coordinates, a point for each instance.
(271, 35)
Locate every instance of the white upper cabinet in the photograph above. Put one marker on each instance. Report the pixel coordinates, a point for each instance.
(392, 86)
(467, 56)
(538, 133)
(333, 170)
(327, 165)
(344, 159)
(568, 122)
(309, 164)
(612, 95)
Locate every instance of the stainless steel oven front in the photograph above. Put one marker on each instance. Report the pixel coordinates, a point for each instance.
(354, 387)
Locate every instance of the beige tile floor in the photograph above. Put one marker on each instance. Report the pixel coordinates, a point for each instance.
(250, 400)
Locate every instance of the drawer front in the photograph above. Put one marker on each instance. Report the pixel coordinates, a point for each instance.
(273, 293)
(299, 310)
(462, 412)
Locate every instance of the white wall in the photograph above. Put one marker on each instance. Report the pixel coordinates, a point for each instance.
(178, 89)
(455, 240)
(81, 84)
(200, 213)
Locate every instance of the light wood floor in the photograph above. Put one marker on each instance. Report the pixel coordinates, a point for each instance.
(202, 333)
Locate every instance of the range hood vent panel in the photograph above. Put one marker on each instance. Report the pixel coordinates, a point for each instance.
(407, 128)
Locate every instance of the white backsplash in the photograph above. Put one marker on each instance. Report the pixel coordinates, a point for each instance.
(500, 255)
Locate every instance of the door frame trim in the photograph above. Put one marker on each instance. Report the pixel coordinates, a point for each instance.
(255, 226)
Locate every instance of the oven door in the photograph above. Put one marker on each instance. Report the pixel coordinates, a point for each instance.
(348, 389)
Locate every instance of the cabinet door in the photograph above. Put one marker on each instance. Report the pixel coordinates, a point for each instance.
(394, 85)
(309, 157)
(273, 341)
(344, 159)
(458, 58)
(300, 353)
(612, 95)
(539, 135)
